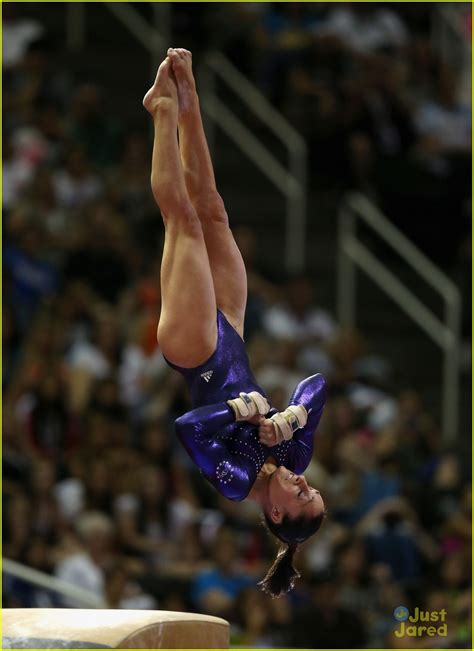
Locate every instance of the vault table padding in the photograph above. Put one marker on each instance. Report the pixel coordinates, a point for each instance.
(55, 628)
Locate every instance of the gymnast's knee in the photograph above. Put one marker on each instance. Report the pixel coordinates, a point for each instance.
(211, 209)
(179, 213)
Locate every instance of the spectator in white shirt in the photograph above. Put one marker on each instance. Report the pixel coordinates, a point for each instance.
(365, 28)
(298, 319)
(86, 568)
(17, 34)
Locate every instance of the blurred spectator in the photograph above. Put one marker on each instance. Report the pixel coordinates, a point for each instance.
(395, 539)
(51, 426)
(259, 622)
(37, 79)
(10, 344)
(76, 184)
(17, 171)
(324, 622)
(260, 291)
(28, 275)
(367, 28)
(443, 124)
(282, 33)
(123, 591)
(93, 129)
(17, 34)
(86, 566)
(298, 318)
(130, 182)
(215, 590)
(100, 257)
(280, 375)
(351, 564)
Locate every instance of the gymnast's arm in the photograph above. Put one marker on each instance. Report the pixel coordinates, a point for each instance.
(199, 425)
(311, 393)
(296, 425)
(197, 431)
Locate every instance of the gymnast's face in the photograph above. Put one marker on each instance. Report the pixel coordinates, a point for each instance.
(290, 495)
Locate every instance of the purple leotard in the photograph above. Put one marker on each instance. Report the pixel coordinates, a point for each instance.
(227, 452)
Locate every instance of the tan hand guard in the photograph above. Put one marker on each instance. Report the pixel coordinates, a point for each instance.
(287, 422)
(248, 405)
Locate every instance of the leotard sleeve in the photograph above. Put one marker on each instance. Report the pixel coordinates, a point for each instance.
(311, 393)
(203, 432)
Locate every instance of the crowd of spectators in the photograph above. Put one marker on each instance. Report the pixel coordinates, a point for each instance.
(96, 489)
(381, 109)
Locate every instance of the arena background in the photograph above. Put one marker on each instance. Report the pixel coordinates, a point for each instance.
(96, 490)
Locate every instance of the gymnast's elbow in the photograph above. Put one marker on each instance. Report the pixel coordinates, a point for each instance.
(313, 392)
(322, 389)
(185, 426)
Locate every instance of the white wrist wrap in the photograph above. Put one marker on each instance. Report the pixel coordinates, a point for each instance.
(248, 405)
(287, 422)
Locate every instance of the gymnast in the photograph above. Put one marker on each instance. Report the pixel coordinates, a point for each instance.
(244, 448)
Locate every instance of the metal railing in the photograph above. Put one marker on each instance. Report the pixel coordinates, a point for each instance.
(290, 180)
(83, 598)
(156, 42)
(352, 253)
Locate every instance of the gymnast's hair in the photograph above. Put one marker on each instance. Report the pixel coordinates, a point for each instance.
(282, 575)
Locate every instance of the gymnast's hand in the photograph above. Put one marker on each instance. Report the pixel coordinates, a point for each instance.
(249, 406)
(282, 425)
(267, 432)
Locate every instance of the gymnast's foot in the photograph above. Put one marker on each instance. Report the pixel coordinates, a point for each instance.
(164, 90)
(181, 60)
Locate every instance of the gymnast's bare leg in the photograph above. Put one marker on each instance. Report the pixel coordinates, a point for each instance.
(227, 267)
(187, 330)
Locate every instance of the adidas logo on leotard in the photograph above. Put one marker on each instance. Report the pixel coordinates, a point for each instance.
(207, 375)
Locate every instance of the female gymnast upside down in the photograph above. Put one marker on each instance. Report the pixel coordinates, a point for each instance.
(244, 448)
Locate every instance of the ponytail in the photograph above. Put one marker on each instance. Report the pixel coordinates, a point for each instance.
(282, 575)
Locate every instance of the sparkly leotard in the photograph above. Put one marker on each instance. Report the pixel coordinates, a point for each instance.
(227, 452)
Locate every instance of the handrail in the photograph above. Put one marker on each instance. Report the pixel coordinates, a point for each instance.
(372, 216)
(147, 35)
(446, 334)
(255, 100)
(234, 128)
(82, 597)
(138, 26)
(385, 279)
(294, 187)
(291, 182)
